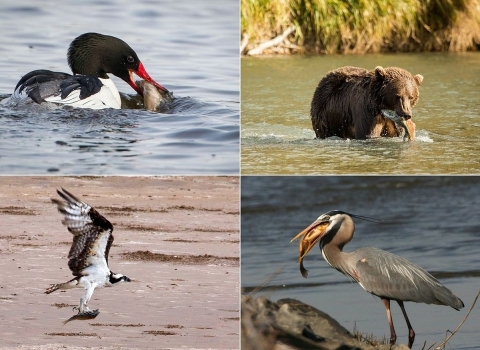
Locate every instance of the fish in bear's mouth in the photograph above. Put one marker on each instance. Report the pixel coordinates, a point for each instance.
(406, 124)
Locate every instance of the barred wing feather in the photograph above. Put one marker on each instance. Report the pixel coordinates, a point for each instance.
(92, 233)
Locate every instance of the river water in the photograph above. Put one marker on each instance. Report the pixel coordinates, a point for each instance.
(277, 135)
(190, 47)
(432, 221)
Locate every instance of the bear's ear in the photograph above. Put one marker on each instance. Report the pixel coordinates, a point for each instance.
(380, 72)
(418, 78)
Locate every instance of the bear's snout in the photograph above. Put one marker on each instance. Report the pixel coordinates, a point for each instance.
(404, 115)
(404, 108)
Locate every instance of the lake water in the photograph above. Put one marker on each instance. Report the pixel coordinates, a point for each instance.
(277, 135)
(432, 221)
(190, 47)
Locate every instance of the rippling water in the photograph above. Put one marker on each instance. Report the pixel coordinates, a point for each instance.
(190, 47)
(432, 221)
(277, 135)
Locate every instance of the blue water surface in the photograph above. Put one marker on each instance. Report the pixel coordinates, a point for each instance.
(190, 47)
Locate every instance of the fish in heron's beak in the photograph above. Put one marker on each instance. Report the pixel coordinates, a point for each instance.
(310, 236)
(406, 124)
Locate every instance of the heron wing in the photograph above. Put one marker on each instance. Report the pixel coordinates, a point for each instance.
(92, 233)
(387, 275)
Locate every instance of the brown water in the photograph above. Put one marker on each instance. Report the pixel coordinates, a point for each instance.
(277, 137)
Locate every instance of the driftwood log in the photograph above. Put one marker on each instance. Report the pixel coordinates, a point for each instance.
(291, 324)
(271, 43)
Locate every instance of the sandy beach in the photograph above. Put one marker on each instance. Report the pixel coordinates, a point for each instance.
(177, 238)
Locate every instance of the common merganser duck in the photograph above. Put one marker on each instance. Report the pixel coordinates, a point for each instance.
(90, 57)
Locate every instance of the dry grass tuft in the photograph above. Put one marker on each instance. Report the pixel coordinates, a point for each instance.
(363, 26)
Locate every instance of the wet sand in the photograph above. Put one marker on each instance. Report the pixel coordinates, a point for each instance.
(177, 238)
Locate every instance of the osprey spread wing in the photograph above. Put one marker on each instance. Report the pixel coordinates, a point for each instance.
(88, 256)
(92, 233)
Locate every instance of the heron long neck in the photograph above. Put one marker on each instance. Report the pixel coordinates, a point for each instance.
(332, 247)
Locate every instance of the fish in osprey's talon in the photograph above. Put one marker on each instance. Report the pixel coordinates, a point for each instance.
(85, 315)
(81, 309)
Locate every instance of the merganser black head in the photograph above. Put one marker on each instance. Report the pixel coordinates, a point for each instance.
(98, 54)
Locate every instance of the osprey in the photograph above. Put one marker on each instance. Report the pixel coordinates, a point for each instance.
(88, 256)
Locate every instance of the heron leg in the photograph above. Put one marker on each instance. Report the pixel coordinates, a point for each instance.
(411, 333)
(393, 336)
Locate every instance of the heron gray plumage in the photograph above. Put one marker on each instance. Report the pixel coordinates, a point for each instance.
(380, 273)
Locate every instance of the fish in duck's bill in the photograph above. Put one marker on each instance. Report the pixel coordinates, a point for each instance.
(91, 57)
(152, 95)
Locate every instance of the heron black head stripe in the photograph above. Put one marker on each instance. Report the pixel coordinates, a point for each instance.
(365, 218)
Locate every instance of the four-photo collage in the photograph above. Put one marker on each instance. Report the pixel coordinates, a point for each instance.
(240, 174)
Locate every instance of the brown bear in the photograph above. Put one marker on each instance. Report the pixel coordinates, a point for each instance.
(348, 103)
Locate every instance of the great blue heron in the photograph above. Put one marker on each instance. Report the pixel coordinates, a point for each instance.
(380, 273)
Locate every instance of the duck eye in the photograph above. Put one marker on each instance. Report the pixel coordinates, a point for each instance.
(130, 59)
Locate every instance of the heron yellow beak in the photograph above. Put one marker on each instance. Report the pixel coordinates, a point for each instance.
(310, 236)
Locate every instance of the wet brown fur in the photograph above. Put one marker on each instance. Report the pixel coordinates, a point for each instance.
(348, 102)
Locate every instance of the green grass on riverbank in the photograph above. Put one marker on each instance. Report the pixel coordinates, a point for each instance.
(361, 26)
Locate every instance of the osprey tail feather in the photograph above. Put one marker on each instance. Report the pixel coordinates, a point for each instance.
(67, 285)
